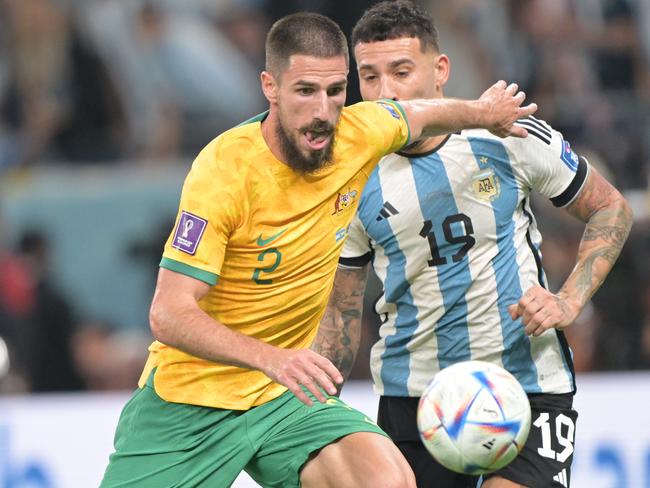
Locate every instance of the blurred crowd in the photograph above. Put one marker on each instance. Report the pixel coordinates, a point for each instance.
(101, 82)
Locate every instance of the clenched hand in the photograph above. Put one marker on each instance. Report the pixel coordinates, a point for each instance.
(540, 310)
(295, 368)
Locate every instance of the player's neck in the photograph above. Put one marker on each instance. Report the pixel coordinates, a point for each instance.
(270, 135)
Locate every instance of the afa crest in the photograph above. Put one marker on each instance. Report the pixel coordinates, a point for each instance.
(344, 201)
(485, 185)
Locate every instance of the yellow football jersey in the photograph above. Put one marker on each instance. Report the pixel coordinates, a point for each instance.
(268, 240)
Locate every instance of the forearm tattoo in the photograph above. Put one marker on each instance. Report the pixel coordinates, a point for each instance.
(339, 334)
(590, 276)
(608, 222)
(612, 235)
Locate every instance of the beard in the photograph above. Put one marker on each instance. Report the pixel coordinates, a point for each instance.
(315, 160)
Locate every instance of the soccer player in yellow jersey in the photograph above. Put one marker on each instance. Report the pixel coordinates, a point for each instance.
(230, 383)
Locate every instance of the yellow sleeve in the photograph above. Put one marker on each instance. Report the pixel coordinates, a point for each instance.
(384, 124)
(208, 213)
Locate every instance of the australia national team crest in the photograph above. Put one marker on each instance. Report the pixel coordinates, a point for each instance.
(485, 185)
(344, 201)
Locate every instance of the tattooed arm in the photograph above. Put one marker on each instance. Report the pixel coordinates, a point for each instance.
(608, 220)
(339, 332)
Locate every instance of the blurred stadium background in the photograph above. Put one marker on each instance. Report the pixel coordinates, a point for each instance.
(104, 103)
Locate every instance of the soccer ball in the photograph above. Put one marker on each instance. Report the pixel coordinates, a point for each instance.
(474, 417)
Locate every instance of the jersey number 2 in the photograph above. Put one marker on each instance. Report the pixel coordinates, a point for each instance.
(277, 258)
(465, 239)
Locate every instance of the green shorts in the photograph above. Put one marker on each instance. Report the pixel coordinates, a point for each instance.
(159, 444)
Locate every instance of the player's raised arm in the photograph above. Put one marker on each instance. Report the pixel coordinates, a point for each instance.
(496, 110)
(339, 333)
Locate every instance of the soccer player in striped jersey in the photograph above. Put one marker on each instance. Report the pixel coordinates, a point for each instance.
(230, 383)
(446, 224)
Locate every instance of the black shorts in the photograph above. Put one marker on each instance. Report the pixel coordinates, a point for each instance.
(545, 460)
(398, 417)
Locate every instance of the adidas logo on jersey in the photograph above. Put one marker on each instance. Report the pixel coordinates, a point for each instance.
(561, 478)
(387, 211)
(537, 128)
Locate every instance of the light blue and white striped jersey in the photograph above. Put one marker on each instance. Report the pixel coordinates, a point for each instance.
(451, 236)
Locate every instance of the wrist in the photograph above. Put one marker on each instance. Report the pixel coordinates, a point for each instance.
(574, 304)
(260, 355)
(479, 114)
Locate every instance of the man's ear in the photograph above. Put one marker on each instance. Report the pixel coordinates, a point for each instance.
(443, 69)
(269, 86)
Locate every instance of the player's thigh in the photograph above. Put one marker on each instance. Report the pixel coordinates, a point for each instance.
(545, 460)
(358, 460)
(398, 417)
(290, 438)
(158, 443)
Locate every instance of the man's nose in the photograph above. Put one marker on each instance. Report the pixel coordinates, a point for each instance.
(386, 89)
(322, 107)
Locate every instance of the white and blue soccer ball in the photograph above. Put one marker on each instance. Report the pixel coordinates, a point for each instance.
(474, 417)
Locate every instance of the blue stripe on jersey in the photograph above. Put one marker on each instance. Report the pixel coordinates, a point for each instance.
(436, 204)
(395, 369)
(517, 357)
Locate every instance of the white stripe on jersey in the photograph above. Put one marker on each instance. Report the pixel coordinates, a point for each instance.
(424, 341)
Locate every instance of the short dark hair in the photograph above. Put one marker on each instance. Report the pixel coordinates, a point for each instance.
(395, 19)
(303, 33)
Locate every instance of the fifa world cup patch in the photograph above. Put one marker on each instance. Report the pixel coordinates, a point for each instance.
(391, 109)
(188, 232)
(569, 157)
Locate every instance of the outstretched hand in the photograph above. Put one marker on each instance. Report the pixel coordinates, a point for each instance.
(540, 310)
(297, 368)
(503, 108)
